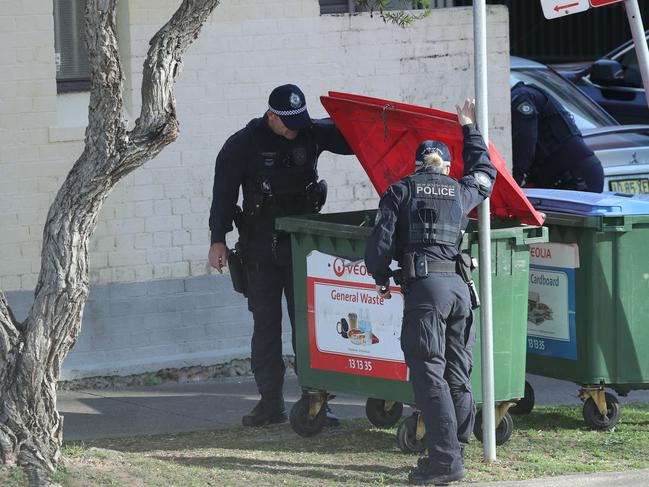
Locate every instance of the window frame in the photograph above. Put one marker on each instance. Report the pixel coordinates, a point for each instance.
(71, 84)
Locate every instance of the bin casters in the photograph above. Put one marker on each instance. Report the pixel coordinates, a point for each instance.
(525, 404)
(503, 420)
(308, 414)
(601, 409)
(383, 413)
(411, 434)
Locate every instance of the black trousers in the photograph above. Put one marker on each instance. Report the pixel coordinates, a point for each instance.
(590, 175)
(267, 281)
(437, 338)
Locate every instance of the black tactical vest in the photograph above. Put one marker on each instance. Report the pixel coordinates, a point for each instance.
(433, 214)
(556, 125)
(277, 179)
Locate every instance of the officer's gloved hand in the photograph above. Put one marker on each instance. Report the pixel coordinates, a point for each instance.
(383, 291)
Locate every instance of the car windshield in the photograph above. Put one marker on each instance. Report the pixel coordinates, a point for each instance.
(586, 113)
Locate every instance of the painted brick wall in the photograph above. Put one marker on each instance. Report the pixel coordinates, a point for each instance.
(137, 327)
(154, 224)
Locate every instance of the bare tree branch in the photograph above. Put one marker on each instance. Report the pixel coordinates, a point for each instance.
(157, 125)
(31, 354)
(9, 334)
(6, 315)
(106, 132)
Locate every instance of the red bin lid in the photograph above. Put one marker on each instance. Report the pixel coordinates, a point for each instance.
(385, 134)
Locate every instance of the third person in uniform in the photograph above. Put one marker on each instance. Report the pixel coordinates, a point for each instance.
(548, 149)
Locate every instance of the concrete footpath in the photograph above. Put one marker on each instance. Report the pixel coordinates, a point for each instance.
(173, 408)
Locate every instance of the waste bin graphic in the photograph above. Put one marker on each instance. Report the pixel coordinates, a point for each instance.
(588, 306)
(348, 337)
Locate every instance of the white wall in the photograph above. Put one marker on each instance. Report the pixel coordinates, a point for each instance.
(154, 225)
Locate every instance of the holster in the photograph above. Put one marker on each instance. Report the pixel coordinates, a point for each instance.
(316, 196)
(408, 267)
(464, 266)
(399, 280)
(236, 257)
(237, 266)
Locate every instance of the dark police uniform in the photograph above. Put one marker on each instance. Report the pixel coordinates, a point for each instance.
(425, 213)
(279, 178)
(548, 148)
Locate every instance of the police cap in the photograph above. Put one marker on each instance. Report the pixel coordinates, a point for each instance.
(289, 104)
(430, 147)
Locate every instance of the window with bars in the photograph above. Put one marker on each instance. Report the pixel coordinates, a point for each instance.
(72, 67)
(347, 6)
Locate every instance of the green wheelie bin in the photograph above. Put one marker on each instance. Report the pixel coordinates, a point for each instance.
(348, 337)
(588, 308)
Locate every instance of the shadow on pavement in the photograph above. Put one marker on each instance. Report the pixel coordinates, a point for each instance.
(350, 437)
(337, 473)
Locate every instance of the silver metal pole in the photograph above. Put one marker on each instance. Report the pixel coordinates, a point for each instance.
(640, 41)
(484, 236)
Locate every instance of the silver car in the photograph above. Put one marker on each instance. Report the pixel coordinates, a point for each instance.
(623, 149)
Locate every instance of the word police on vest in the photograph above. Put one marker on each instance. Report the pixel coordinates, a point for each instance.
(435, 190)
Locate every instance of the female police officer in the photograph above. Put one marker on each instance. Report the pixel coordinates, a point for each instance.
(420, 223)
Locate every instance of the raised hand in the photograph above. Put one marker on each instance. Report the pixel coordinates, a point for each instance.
(466, 114)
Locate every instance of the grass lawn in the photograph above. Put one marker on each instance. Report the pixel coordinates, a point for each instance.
(553, 440)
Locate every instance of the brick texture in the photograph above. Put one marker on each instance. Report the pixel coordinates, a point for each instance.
(153, 227)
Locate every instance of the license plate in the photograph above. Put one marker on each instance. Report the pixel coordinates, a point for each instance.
(633, 186)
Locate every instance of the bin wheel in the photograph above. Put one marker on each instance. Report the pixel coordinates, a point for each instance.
(304, 424)
(503, 431)
(379, 416)
(594, 419)
(526, 403)
(407, 436)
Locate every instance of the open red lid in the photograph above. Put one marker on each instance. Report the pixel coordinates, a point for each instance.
(385, 134)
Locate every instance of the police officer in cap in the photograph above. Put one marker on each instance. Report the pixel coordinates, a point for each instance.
(548, 148)
(274, 160)
(420, 223)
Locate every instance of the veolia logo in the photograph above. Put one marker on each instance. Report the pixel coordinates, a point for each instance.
(341, 267)
(540, 252)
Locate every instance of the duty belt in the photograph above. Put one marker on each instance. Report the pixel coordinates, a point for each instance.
(417, 266)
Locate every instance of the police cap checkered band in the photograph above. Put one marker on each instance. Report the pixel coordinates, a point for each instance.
(289, 104)
(287, 113)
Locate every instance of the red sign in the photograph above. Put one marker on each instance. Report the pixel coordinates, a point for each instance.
(602, 3)
(357, 359)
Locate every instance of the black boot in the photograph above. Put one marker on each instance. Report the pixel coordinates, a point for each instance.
(270, 409)
(427, 473)
(421, 462)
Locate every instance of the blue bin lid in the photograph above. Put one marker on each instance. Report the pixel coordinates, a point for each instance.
(587, 204)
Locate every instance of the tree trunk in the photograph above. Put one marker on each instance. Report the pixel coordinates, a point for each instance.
(31, 353)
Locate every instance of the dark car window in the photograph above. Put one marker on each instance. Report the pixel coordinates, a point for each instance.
(586, 113)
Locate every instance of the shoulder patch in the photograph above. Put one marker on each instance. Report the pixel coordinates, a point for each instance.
(482, 179)
(526, 108)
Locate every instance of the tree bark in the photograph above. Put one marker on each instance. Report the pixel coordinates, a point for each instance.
(31, 353)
